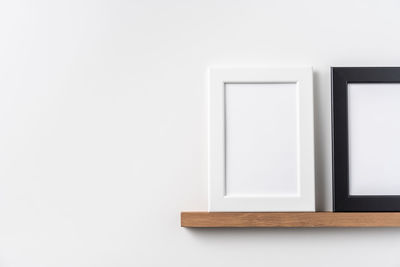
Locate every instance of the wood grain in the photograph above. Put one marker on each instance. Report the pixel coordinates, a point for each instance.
(290, 219)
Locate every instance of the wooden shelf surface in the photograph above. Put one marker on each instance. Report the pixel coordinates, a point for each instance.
(290, 219)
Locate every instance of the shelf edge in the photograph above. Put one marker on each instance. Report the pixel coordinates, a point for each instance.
(201, 219)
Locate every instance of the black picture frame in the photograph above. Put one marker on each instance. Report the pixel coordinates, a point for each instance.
(340, 78)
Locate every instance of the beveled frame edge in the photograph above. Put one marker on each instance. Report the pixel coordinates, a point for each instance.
(342, 200)
(218, 77)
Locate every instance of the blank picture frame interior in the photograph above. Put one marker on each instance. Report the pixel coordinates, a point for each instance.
(377, 129)
(366, 144)
(261, 139)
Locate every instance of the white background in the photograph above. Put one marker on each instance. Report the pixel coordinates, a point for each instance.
(103, 127)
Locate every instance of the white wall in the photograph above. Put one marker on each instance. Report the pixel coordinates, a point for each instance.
(103, 127)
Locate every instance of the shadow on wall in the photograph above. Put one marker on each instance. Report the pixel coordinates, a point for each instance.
(252, 234)
(323, 169)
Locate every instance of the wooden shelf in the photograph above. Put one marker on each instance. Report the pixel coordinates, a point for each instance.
(290, 219)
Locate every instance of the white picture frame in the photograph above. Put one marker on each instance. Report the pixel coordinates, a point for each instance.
(250, 111)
